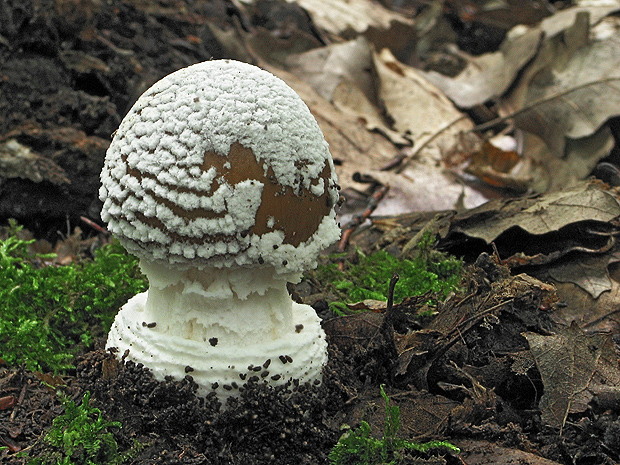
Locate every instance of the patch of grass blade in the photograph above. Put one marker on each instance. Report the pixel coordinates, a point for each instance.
(358, 447)
(80, 436)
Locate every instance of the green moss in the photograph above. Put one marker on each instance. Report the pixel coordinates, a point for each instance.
(429, 271)
(50, 313)
(358, 447)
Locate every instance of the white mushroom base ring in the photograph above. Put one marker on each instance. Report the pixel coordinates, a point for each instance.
(223, 327)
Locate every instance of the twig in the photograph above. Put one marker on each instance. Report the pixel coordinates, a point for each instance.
(431, 138)
(390, 301)
(387, 326)
(352, 225)
(94, 225)
(396, 161)
(20, 399)
(501, 119)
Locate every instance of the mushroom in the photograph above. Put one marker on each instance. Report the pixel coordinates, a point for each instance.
(220, 181)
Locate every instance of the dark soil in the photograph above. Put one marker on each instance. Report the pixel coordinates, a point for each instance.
(69, 71)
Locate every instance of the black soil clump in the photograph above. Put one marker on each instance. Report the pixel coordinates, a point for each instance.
(281, 425)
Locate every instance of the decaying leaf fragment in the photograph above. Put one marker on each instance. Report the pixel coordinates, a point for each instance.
(20, 161)
(359, 328)
(489, 452)
(590, 288)
(572, 365)
(587, 201)
(501, 168)
(572, 100)
(487, 77)
(354, 17)
(476, 320)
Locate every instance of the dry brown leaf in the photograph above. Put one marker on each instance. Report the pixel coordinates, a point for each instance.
(325, 68)
(490, 453)
(417, 107)
(600, 314)
(570, 88)
(350, 18)
(564, 34)
(587, 272)
(343, 74)
(570, 364)
(424, 115)
(586, 201)
(487, 76)
(596, 311)
(577, 98)
(425, 186)
(581, 157)
(498, 167)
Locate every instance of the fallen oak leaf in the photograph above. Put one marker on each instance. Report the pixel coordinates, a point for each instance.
(575, 98)
(571, 363)
(586, 201)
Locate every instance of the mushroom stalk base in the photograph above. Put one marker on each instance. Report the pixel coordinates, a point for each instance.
(182, 326)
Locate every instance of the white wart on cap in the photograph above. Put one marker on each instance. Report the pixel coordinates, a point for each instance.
(220, 181)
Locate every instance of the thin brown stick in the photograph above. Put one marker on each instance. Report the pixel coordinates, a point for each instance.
(387, 326)
(94, 225)
(501, 119)
(352, 225)
(432, 137)
(20, 399)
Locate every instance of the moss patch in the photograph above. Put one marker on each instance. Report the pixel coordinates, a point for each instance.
(50, 313)
(368, 278)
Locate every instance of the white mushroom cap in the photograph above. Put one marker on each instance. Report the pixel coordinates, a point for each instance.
(221, 164)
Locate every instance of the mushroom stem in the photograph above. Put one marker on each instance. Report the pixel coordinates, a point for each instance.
(200, 304)
(222, 326)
